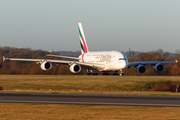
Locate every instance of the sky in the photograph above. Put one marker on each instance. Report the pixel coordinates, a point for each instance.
(141, 25)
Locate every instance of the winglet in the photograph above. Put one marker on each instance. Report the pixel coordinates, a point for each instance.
(4, 58)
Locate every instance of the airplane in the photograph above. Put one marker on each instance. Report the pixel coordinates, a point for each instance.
(98, 61)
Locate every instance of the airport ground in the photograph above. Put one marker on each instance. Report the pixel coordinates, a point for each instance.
(118, 85)
(12, 111)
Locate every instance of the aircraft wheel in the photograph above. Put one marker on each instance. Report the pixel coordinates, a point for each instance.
(95, 74)
(88, 73)
(115, 74)
(105, 73)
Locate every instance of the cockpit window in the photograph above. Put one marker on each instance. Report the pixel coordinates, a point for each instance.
(122, 59)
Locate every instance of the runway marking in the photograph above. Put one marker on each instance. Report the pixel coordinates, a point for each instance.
(83, 99)
(91, 103)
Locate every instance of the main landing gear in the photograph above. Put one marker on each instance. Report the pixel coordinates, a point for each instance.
(96, 72)
(117, 73)
(114, 73)
(91, 72)
(105, 73)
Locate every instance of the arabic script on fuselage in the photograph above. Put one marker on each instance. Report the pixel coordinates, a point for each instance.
(104, 57)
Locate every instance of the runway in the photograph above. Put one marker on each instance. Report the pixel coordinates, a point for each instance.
(81, 99)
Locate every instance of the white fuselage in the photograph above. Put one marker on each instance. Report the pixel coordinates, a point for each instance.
(113, 60)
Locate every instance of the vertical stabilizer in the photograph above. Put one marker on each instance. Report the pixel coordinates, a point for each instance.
(84, 48)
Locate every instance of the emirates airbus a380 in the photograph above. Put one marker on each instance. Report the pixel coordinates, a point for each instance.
(103, 61)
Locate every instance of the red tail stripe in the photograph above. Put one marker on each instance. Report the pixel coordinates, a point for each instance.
(82, 57)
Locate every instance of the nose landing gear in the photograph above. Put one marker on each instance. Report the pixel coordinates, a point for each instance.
(121, 73)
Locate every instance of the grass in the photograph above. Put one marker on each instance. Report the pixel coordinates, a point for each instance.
(84, 84)
(84, 112)
(126, 85)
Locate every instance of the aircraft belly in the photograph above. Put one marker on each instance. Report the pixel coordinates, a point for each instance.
(115, 66)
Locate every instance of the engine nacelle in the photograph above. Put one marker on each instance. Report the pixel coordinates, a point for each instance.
(140, 69)
(75, 68)
(158, 67)
(46, 65)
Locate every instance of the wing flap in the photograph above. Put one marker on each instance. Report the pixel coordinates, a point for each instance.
(67, 57)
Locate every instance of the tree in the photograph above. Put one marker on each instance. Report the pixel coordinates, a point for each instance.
(159, 55)
(145, 56)
(130, 54)
(175, 70)
(177, 54)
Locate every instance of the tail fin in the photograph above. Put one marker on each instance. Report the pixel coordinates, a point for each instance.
(84, 48)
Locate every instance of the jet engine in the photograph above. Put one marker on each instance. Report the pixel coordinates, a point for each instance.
(140, 69)
(158, 67)
(75, 68)
(46, 65)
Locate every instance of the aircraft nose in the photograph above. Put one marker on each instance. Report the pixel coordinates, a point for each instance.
(125, 63)
(122, 64)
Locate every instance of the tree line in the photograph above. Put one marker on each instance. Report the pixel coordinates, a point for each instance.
(31, 68)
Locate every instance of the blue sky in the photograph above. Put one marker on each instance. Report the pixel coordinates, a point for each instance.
(142, 25)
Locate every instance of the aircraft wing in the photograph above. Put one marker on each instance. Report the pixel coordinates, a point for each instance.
(93, 65)
(150, 63)
(67, 57)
